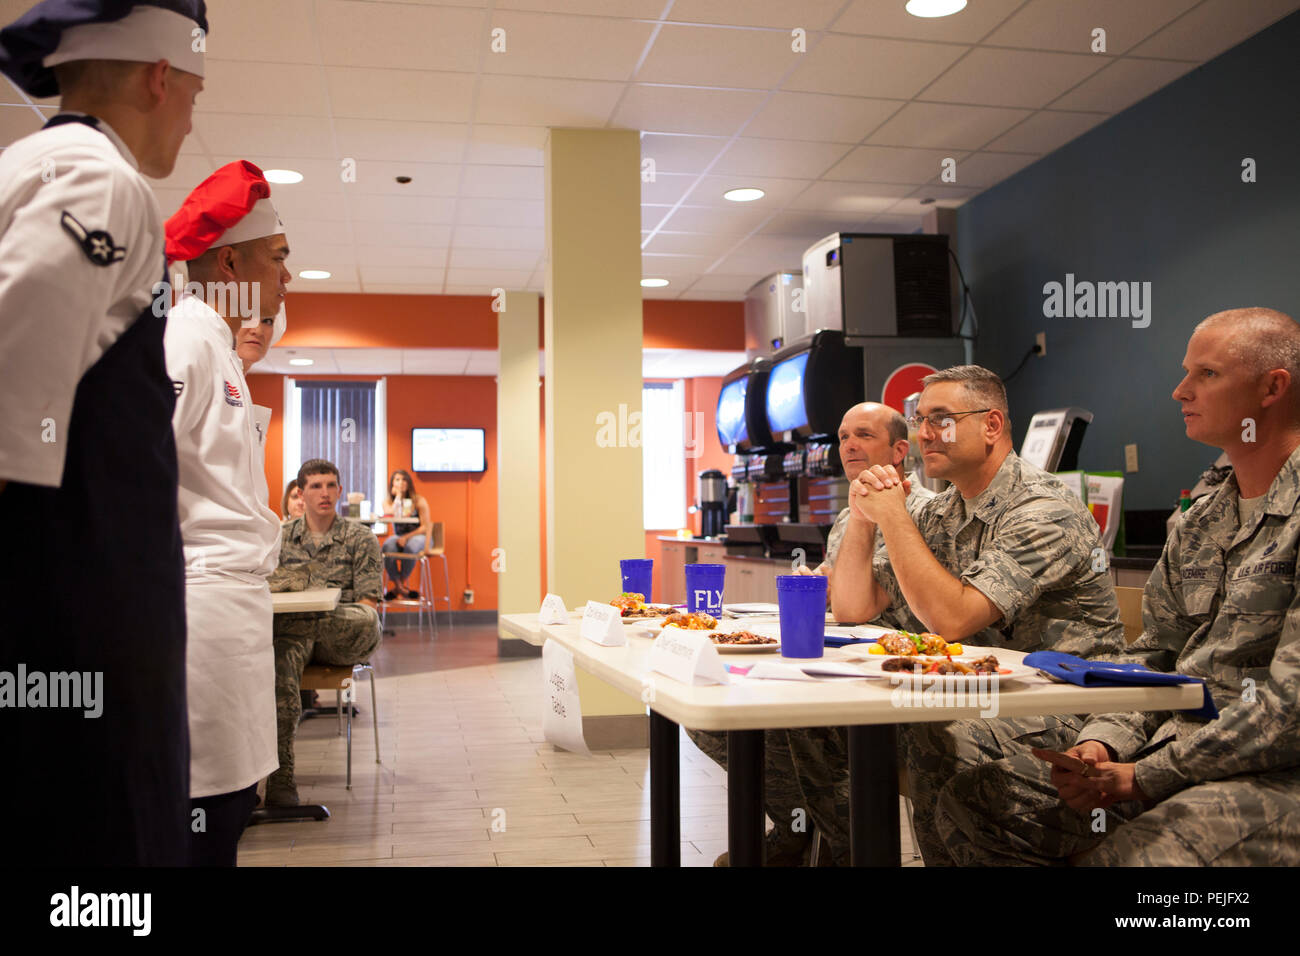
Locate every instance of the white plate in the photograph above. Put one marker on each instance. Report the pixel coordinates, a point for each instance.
(758, 608)
(764, 629)
(874, 667)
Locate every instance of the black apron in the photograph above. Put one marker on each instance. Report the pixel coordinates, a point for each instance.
(95, 577)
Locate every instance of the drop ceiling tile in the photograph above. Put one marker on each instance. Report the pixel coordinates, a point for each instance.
(485, 280)
(779, 158)
(809, 14)
(813, 225)
(882, 164)
(244, 134)
(862, 66)
(681, 154)
(508, 145)
(666, 187)
(504, 182)
(1067, 27)
(169, 200)
(420, 96)
(1122, 84)
(398, 141)
(1045, 131)
(901, 225)
(718, 282)
(856, 199)
(434, 361)
(545, 101)
(401, 35)
(280, 32)
(945, 126)
(476, 288)
(482, 362)
(753, 267)
(645, 9)
(321, 177)
(689, 244)
(734, 296)
(888, 18)
(404, 275)
(540, 44)
(500, 237)
(914, 206)
(1214, 26)
(989, 169)
(501, 212)
(730, 220)
(188, 172)
(653, 215)
(408, 209)
(307, 248)
(788, 248)
(712, 189)
(411, 234)
(386, 288)
(1017, 78)
(403, 256)
(325, 206)
(367, 361)
(817, 116)
(463, 258)
(230, 87)
(427, 179)
(719, 56)
(678, 109)
(673, 266)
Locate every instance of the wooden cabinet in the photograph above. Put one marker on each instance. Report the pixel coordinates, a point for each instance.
(750, 580)
(670, 575)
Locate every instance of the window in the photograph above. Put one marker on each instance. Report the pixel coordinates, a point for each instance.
(663, 455)
(342, 422)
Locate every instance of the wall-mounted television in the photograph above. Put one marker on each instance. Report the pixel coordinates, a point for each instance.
(731, 412)
(812, 383)
(448, 449)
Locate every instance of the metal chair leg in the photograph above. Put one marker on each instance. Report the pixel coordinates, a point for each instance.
(374, 710)
(339, 732)
(911, 827)
(446, 579)
(814, 858)
(354, 684)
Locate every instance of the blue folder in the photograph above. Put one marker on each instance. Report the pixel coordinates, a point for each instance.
(1085, 673)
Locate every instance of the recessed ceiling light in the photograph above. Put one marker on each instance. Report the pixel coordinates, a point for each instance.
(301, 362)
(653, 283)
(934, 8)
(313, 274)
(283, 176)
(744, 194)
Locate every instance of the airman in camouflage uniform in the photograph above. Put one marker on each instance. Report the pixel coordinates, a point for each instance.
(346, 557)
(1223, 604)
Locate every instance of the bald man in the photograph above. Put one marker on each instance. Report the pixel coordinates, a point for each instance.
(870, 434)
(1172, 788)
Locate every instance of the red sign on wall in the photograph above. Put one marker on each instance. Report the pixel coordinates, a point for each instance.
(902, 382)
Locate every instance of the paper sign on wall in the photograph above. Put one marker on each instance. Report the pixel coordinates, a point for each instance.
(562, 722)
(553, 610)
(603, 623)
(687, 656)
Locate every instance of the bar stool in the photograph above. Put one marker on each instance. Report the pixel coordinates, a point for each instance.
(340, 679)
(435, 548)
(422, 600)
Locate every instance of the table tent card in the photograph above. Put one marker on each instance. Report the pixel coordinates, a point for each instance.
(562, 722)
(603, 623)
(553, 610)
(687, 656)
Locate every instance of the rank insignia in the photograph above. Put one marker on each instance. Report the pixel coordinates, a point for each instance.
(95, 243)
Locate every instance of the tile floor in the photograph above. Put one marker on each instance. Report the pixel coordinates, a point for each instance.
(466, 778)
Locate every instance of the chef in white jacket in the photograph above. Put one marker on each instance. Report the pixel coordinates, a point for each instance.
(233, 241)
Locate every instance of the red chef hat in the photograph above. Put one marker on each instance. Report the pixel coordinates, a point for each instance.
(232, 205)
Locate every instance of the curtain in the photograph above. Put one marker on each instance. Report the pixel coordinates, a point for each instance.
(338, 424)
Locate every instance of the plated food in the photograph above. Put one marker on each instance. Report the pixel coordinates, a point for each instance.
(633, 605)
(698, 621)
(907, 644)
(913, 665)
(741, 638)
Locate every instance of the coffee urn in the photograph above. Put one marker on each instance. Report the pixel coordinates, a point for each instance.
(712, 498)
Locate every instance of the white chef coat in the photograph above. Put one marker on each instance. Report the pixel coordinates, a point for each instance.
(91, 176)
(232, 542)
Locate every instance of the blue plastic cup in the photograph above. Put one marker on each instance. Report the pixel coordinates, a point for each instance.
(704, 588)
(802, 602)
(638, 576)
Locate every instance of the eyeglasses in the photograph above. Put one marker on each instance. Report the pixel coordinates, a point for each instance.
(936, 420)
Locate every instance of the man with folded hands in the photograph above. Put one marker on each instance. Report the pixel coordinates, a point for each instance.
(1007, 556)
(1173, 788)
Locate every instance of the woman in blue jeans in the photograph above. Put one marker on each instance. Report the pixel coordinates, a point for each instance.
(406, 539)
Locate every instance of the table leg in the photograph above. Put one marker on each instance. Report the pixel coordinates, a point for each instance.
(873, 795)
(665, 792)
(745, 797)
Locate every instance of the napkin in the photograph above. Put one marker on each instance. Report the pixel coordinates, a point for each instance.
(1085, 673)
(832, 641)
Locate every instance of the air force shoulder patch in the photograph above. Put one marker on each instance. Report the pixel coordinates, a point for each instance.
(95, 243)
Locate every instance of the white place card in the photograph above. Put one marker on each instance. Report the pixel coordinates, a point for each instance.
(687, 656)
(553, 610)
(603, 623)
(562, 721)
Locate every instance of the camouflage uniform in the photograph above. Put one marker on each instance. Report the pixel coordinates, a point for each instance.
(1221, 605)
(1027, 543)
(348, 558)
(804, 763)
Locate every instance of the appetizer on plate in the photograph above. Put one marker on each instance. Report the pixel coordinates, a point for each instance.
(632, 604)
(741, 637)
(907, 644)
(909, 665)
(699, 621)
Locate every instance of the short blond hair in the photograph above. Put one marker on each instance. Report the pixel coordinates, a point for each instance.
(1262, 339)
